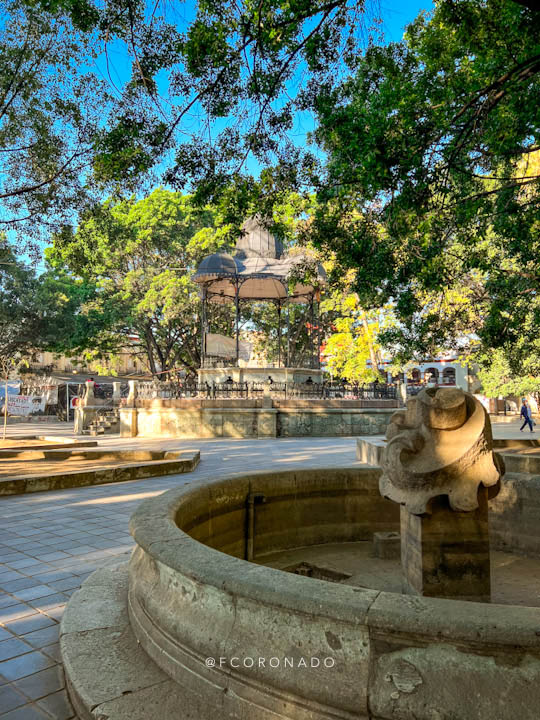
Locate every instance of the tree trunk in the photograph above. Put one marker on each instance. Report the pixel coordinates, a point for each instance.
(5, 408)
(372, 353)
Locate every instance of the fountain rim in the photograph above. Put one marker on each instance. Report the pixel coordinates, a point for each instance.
(153, 526)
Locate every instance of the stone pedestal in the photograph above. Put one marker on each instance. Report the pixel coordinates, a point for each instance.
(386, 545)
(446, 553)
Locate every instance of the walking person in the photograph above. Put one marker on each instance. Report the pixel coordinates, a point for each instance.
(526, 414)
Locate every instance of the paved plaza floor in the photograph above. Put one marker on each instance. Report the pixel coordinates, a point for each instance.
(50, 542)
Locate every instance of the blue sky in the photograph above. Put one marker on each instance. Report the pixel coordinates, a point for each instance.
(396, 15)
(116, 66)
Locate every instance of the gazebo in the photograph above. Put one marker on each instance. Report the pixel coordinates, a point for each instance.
(258, 271)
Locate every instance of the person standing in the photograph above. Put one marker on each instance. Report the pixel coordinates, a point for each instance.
(526, 414)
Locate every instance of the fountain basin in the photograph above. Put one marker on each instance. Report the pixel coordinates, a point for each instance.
(192, 596)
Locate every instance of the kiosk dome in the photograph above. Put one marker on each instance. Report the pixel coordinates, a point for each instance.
(258, 271)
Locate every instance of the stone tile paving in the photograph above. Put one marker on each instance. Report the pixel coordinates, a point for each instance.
(50, 542)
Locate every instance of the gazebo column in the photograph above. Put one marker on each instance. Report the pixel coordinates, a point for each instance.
(237, 308)
(279, 331)
(288, 331)
(203, 327)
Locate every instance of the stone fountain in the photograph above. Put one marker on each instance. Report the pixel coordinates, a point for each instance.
(190, 629)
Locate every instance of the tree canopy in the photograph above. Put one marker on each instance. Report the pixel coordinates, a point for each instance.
(51, 108)
(425, 156)
(30, 310)
(499, 379)
(98, 97)
(431, 189)
(351, 349)
(137, 256)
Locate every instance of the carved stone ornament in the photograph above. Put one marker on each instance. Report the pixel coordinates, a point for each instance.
(441, 444)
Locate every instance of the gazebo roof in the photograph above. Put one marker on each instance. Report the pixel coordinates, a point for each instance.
(257, 242)
(258, 270)
(215, 266)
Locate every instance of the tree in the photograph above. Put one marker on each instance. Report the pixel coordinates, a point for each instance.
(99, 96)
(23, 316)
(130, 264)
(204, 100)
(240, 67)
(51, 107)
(27, 317)
(352, 348)
(431, 140)
(499, 379)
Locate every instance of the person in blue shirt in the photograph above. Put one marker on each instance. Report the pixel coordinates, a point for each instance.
(526, 414)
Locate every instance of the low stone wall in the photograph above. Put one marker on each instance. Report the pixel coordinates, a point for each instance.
(369, 451)
(195, 418)
(18, 419)
(124, 468)
(393, 656)
(514, 515)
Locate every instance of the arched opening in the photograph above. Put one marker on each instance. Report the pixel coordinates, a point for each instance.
(431, 375)
(449, 376)
(416, 376)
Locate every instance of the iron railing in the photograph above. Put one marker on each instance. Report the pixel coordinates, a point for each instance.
(232, 389)
(218, 361)
(171, 389)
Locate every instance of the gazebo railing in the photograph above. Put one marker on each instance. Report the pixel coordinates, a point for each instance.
(274, 389)
(217, 361)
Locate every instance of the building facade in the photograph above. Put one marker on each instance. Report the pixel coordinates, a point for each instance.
(447, 371)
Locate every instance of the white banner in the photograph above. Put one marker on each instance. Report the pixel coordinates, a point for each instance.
(225, 347)
(25, 404)
(48, 392)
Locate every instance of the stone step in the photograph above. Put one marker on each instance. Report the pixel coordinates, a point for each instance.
(107, 421)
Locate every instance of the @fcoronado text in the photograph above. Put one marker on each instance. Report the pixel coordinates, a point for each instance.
(271, 662)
